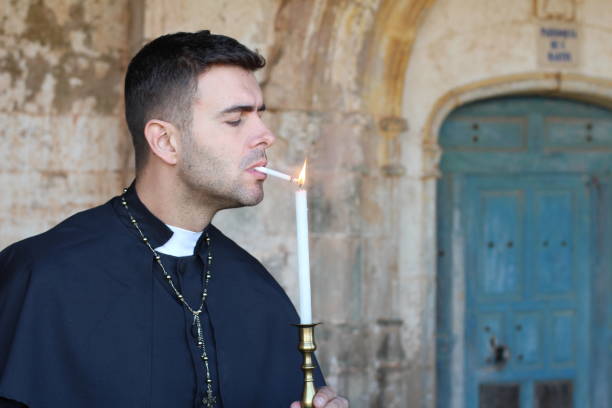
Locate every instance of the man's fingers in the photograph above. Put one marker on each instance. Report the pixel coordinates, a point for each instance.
(323, 396)
(338, 402)
(326, 397)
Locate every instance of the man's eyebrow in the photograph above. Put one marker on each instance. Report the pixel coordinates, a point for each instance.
(242, 108)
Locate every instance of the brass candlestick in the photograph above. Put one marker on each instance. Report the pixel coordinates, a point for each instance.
(307, 346)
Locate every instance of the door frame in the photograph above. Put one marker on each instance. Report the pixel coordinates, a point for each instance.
(575, 87)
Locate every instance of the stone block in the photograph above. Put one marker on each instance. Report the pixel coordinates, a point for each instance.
(380, 276)
(34, 201)
(347, 359)
(296, 134)
(336, 278)
(60, 57)
(333, 199)
(329, 141)
(62, 143)
(321, 43)
(342, 142)
(250, 21)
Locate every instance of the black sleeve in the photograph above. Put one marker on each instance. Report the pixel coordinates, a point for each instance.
(8, 316)
(7, 403)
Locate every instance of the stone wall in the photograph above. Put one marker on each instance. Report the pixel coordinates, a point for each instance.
(63, 139)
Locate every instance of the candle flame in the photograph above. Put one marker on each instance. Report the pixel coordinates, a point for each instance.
(301, 180)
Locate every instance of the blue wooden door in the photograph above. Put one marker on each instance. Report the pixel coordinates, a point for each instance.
(526, 301)
(521, 222)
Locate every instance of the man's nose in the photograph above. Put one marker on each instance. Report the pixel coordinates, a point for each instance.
(265, 137)
(269, 136)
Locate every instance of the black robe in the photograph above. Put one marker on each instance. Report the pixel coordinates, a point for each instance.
(86, 320)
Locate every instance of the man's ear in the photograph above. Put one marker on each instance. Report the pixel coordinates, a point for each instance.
(162, 138)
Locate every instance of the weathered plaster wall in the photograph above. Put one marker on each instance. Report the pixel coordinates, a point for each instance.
(61, 64)
(62, 67)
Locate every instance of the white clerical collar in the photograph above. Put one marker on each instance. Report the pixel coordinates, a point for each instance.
(181, 243)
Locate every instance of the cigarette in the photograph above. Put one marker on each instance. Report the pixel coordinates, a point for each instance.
(275, 173)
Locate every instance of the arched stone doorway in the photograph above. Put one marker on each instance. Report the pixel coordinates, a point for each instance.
(523, 217)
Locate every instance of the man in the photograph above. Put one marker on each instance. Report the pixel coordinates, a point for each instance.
(141, 302)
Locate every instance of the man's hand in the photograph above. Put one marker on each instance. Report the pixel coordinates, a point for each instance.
(326, 397)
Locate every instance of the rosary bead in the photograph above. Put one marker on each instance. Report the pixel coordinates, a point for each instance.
(157, 257)
(145, 239)
(180, 297)
(209, 381)
(125, 190)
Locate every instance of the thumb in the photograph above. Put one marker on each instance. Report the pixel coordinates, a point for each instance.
(295, 404)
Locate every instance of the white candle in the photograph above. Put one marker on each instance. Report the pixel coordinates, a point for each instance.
(301, 213)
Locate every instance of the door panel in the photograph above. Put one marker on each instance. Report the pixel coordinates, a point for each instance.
(528, 339)
(500, 257)
(563, 329)
(552, 244)
(578, 133)
(554, 394)
(499, 396)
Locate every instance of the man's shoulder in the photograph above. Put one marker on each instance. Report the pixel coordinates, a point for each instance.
(81, 229)
(250, 267)
(229, 245)
(238, 253)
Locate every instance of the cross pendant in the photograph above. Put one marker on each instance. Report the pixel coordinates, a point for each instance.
(209, 400)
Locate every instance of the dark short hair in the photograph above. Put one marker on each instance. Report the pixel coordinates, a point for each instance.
(161, 79)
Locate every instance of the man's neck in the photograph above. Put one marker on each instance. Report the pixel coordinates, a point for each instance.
(168, 202)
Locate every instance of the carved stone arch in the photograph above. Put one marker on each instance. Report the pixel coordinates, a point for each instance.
(395, 29)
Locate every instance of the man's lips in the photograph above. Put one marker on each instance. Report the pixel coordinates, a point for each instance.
(258, 175)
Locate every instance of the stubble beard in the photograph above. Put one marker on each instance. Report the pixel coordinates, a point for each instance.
(211, 181)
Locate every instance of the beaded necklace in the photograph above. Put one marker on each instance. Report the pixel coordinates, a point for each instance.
(209, 399)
